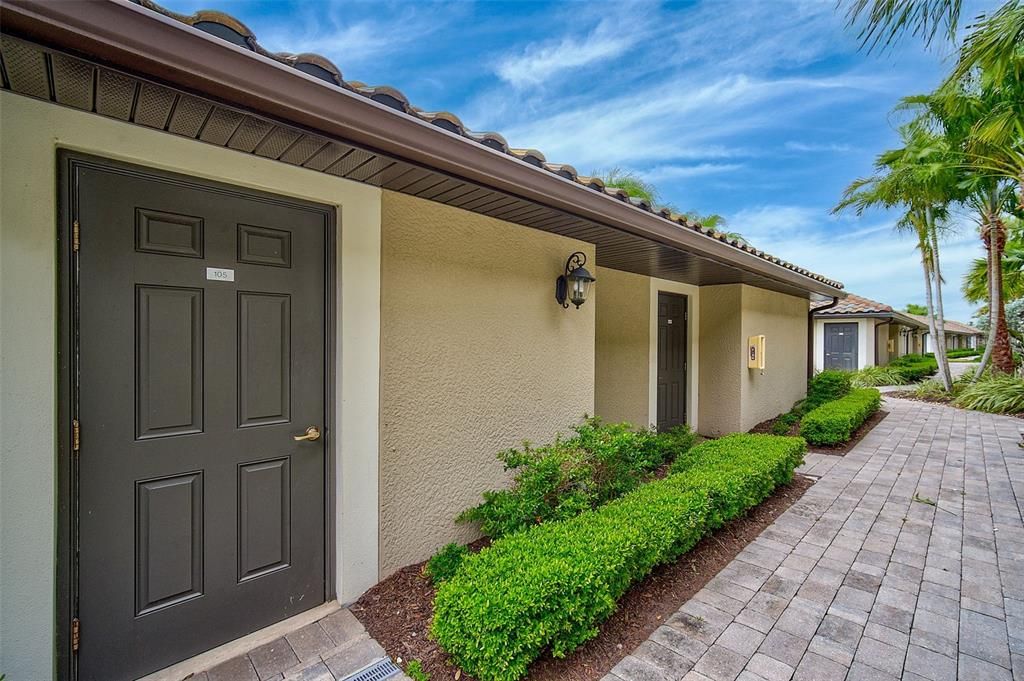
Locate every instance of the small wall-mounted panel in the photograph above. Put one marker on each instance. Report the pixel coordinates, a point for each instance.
(168, 233)
(264, 358)
(264, 246)
(168, 361)
(168, 541)
(755, 352)
(264, 518)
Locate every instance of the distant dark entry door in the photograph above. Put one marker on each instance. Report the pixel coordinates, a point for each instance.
(201, 356)
(841, 346)
(671, 360)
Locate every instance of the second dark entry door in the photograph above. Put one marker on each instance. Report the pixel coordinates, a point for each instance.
(841, 346)
(672, 318)
(201, 339)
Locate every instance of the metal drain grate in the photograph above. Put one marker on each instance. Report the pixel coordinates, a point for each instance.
(377, 671)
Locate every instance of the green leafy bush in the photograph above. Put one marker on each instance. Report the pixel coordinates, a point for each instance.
(872, 376)
(826, 386)
(915, 367)
(996, 393)
(961, 353)
(930, 389)
(414, 670)
(785, 422)
(548, 588)
(834, 422)
(443, 564)
(600, 462)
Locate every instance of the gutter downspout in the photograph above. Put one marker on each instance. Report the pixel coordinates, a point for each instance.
(810, 334)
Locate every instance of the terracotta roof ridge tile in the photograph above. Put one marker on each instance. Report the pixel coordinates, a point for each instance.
(232, 30)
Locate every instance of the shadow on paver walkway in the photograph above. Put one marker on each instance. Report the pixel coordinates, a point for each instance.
(905, 560)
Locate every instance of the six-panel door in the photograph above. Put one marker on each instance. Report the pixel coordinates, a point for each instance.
(201, 337)
(671, 397)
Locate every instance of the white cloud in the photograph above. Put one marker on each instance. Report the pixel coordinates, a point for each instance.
(678, 172)
(810, 147)
(871, 259)
(537, 63)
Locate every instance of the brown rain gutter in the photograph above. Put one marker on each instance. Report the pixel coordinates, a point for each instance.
(138, 40)
(810, 334)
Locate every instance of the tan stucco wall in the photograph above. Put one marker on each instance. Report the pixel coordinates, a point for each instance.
(476, 356)
(622, 346)
(783, 321)
(733, 397)
(31, 132)
(722, 360)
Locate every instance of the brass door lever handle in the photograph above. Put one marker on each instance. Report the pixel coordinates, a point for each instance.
(312, 433)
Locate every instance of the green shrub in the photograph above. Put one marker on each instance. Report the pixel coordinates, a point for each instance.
(443, 564)
(600, 462)
(930, 389)
(961, 353)
(834, 422)
(997, 394)
(783, 424)
(915, 367)
(826, 386)
(414, 670)
(548, 588)
(872, 376)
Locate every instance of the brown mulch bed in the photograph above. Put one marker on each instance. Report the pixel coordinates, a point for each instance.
(838, 450)
(397, 611)
(931, 399)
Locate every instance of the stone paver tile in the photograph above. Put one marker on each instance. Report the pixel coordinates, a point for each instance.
(979, 670)
(756, 620)
(310, 642)
(814, 667)
(273, 658)
(354, 655)
(849, 597)
(720, 663)
(938, 604)
(670, 663)
(984, 637)
(632, 668)
(934, 642)
(834, 651)
(740, 639)
(862, 672)
(318, 672)
(769, 669)
(800, 621)
(784, 647)
(881, 656)
(236, 669)
(680, 643)
(929, 664)
(891, 617)
(342, 626)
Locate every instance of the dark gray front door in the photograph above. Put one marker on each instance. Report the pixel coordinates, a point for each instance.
(671, 360)
(841, 346)
(201, 340)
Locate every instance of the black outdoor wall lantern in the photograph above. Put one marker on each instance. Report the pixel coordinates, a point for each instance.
(574, 286)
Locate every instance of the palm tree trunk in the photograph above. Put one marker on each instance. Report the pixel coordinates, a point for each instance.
(1002, 353)
(986, 232)
(940, 322)
(923, 245)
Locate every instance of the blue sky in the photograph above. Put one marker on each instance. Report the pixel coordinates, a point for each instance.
(761, 111)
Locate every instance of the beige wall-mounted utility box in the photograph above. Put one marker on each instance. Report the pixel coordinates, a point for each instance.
(755, 352)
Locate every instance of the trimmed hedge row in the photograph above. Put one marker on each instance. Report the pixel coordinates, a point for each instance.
(834, 422)
(915, 367)
(550, 586)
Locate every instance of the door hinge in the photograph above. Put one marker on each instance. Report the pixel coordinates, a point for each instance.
(76, 236)
(76, 632)
(76, 435)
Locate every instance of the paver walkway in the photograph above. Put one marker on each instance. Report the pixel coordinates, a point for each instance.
(334, 647)
(905, 560)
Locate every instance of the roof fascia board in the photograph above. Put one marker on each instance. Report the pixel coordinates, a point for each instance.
(136, 39)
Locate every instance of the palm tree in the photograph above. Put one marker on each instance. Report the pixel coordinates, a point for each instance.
(716, 223)
(982, 119)
(993, 40)
(976, 281)
(917, 179)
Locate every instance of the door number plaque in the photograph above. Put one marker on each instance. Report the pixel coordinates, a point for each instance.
(220, 274)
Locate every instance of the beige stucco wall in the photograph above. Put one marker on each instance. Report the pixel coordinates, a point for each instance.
(783, 321)
(733, 397)
(30, 134)
(476, 356)
(622, 346)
